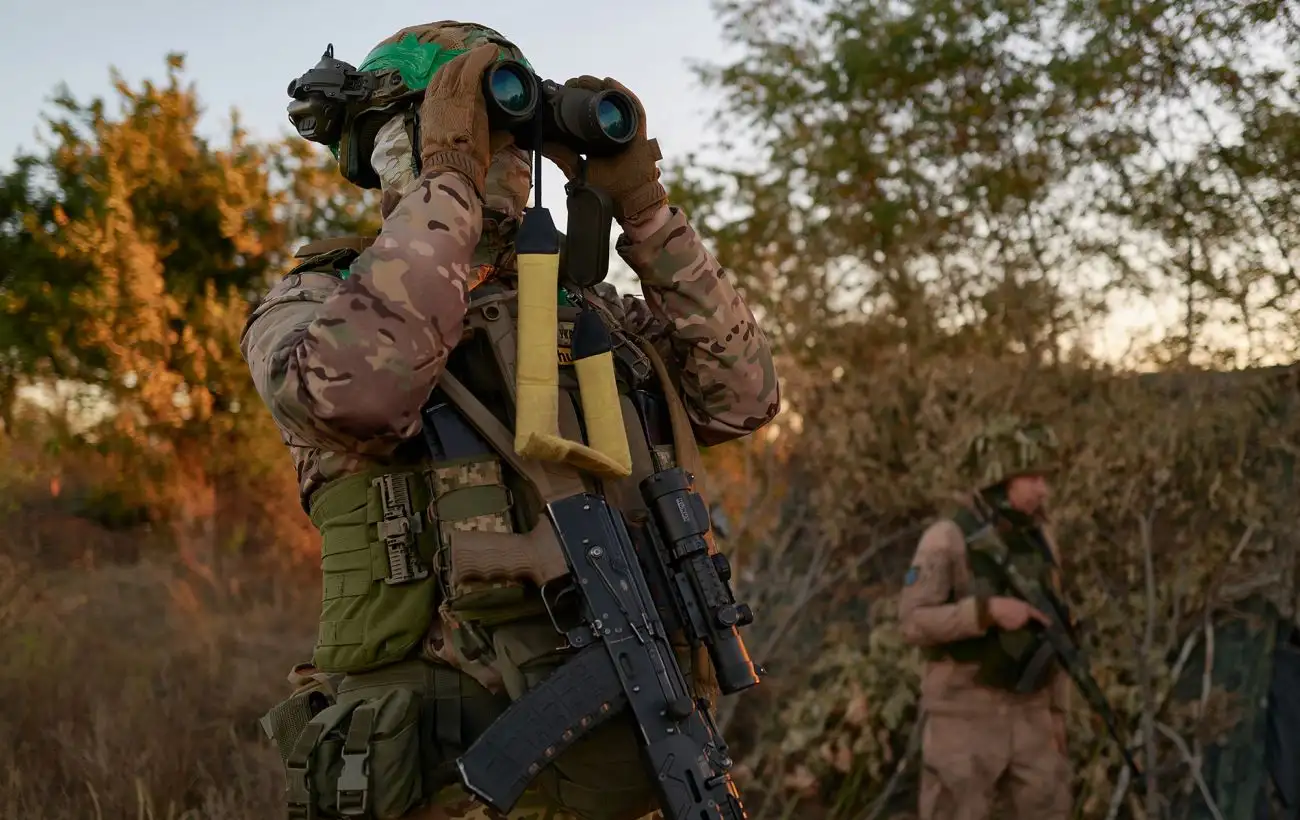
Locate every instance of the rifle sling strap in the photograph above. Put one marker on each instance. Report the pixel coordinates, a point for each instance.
(554, 484)
(551, 484)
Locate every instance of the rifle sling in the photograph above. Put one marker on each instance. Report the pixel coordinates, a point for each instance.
(550, 484)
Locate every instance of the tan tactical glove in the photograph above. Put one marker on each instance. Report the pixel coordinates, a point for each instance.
(454, 130)
(631, 178)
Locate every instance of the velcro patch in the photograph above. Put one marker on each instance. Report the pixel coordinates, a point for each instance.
(564, 342)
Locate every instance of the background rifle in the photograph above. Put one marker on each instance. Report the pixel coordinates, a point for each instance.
(1060, 644)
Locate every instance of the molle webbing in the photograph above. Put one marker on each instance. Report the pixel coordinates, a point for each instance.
(551, 482)
(483, 562)
(330, 255)
(491, 313)
(492, 317)
(376, 552)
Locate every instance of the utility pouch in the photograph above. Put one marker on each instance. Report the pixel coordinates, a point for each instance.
(358, 758)
(387, 743)
(471, 501)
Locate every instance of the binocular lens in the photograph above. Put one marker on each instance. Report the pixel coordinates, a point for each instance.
(510, 90)
(615, 118)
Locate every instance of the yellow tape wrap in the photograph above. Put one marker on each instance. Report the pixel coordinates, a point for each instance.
(602, 411)
(537, 383)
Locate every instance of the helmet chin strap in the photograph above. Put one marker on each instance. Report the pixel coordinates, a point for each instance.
(411, 122)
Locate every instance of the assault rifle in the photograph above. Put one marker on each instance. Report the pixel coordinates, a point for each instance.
(631, 595)
(635, 584)
(625, 658)
(1059, 644)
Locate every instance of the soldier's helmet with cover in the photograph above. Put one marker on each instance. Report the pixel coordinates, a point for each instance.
(344, 107)
(1007, 447)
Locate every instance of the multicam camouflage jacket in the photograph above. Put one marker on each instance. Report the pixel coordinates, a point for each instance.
(345, 364)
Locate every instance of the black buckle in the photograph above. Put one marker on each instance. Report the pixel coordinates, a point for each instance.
(636, 362)
(354, 779)
(398, 528)
(297, 793)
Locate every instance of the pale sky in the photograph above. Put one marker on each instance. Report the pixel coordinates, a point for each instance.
(243, 53)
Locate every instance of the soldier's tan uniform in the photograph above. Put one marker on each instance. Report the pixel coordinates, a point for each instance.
(980, 744)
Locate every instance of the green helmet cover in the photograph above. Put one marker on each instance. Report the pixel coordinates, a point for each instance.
(1008, 447)
(417, 62)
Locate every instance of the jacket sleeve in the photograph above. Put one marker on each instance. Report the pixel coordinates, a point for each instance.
(925, 612)
(350, 370)
(701, 325)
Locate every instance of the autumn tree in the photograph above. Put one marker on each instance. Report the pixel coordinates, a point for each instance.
(138, 246)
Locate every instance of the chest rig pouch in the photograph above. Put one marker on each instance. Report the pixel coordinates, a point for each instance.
(1018, 660)
(494, 563)
(448, 532)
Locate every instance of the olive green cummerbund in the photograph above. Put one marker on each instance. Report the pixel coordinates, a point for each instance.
(379, 590)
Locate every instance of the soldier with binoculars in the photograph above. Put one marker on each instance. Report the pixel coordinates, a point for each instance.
(447, 389)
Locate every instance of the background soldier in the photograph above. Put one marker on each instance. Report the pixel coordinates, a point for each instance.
(346, 350)
(983, 739)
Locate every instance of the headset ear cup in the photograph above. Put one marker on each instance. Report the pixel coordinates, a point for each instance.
(357, 146)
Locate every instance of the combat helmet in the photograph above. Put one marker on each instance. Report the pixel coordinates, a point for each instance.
(390, 80)
(1009, 446)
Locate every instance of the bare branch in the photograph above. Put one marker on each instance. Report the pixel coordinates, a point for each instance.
(913, 746)
(1194, 766)
(1125, 775)
(1144, 668)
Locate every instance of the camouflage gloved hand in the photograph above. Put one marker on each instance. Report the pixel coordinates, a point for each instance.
(631, 178)
(454, 130)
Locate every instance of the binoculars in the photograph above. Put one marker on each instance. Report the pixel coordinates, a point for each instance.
(333, 96)
(595, 123)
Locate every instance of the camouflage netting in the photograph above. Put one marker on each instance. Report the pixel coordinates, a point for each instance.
(1192, 468)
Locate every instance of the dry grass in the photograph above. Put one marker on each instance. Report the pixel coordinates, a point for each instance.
(132, 689)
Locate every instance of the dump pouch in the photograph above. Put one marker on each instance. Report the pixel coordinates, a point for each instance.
(314, 692)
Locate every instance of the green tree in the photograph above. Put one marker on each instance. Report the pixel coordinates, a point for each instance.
(924, 165)
(36, 287)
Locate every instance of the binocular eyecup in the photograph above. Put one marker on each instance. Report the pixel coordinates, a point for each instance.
(596, 123)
